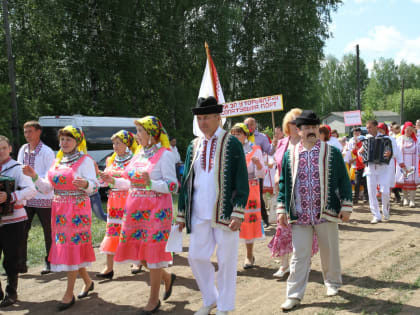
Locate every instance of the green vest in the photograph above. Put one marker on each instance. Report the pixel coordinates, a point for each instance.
(336, 191)
(231, 182)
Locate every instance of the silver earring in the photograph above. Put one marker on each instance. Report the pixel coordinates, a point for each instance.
(150, 140)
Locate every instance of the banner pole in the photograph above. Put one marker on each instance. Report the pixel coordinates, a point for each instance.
(272, 120)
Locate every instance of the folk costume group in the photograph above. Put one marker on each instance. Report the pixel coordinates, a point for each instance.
(400, 172)
(219, 204)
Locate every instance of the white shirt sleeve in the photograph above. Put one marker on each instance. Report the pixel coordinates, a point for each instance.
(87, 171)
(48, 159)
(259, 173)
(43, 185)
(176, 154)
(21, 153)
(163, 176)
(396, 152)
(27, 188)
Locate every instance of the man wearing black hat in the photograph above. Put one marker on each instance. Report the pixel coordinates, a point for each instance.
(314, 195)
(214, 192)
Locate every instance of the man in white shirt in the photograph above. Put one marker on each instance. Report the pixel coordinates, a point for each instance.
(174, 150)
(211, 206)
(12, 223)
(379, 174)
(40, 157)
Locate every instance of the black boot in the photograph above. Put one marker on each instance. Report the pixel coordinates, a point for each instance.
(47, 268)
(397, 195)
(11, 291)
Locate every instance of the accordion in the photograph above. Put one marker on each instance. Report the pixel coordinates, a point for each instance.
(375, 149)
(7, 184)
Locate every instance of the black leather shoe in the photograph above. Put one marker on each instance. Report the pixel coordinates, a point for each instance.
(169, 292)
(63, 306)
(85, 293)
(108, 275)
(135, 271)
(8, 300)
(47, 269)
(155, 310)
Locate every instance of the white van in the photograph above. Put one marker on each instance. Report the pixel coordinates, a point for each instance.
(97, 130)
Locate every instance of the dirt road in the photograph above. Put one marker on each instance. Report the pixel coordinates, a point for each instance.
(381, 274)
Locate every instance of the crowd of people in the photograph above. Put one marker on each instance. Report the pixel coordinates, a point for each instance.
(234, 184)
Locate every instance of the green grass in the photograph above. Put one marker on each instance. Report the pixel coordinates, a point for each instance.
(36, 245)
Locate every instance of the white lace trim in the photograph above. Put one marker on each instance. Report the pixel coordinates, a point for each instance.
(162, 264)
(58, 268)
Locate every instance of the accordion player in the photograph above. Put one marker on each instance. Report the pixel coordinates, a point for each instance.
(374, 149)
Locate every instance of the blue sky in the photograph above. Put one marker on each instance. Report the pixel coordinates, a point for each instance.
(382, 28)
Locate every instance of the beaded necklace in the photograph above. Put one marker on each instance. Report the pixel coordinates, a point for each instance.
(70, 158)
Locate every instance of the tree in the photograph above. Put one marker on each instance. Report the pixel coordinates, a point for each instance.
(368, 115)
(386, 74)
(373, 96)
(135, 58)
(338, 83)
(411, 109)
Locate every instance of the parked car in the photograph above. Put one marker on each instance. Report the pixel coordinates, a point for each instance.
(363, 129)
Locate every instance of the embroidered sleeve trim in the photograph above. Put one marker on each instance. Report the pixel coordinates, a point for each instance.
(172, 186)
(238, 212)
(281, 208)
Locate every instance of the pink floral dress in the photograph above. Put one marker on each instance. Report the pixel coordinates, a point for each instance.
(115, 209)
(148, 213)
(71, 248)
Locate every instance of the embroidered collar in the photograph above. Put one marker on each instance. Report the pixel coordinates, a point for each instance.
(123, 158)
(316, 147)
(37, 148)
(71, 158)
(212, 142)
(149, 152)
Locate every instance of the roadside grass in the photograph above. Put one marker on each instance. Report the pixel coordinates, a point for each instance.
(36, 245)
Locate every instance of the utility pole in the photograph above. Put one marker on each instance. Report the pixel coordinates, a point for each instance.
(402, 102)
(358, 76)
(12, 78)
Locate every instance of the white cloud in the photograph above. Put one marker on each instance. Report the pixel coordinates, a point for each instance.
(416, 1)
(410, 52)
(386, 41)
(381, 39)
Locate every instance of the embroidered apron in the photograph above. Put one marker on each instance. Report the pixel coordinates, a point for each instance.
(71, 220)
(147, 217)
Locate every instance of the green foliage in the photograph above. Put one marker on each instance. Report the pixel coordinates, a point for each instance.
(386, 74)
(338, 84)
(136, 58)
(411, 110)
(367, 115)
(373, 96)
(268, 131)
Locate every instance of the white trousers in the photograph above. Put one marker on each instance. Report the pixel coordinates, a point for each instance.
(203, 240)
(372, 181)
(300, 265)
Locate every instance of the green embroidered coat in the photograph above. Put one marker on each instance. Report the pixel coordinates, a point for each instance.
(231, 179)
(336, 191)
